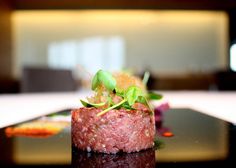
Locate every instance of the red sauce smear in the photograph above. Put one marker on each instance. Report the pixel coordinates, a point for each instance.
(167, 134)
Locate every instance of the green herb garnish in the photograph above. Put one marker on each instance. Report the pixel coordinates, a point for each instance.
(146, 78)
(154, 96)
(129, 96)
(112, 107)
(132, 94)
(105, 78)
(158, 144)
(86, 104)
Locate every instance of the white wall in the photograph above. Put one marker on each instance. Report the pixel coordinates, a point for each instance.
(163, 41)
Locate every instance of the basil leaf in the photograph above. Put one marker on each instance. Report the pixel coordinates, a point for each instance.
(154, 96)
(132, 94)
(105, 78)
(86, 104)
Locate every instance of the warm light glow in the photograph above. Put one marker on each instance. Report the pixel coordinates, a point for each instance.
(107, 15)
(197, 40)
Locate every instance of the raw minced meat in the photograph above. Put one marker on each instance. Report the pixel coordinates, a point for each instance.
(116, 131)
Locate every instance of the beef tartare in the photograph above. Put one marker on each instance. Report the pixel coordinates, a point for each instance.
(118, 118)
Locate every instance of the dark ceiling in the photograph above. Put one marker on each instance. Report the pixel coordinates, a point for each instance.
(224, 5)
(125, 4)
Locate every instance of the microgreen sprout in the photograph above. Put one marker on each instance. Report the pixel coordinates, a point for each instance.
(105, 78)
(129, 96)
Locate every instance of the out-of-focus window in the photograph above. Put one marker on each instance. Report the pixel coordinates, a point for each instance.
(233, 57)
(164, 42)
(90, 53)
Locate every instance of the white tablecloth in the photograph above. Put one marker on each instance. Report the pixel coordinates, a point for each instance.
(15, 108)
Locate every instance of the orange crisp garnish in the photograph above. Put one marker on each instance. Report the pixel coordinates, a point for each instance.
(36, 129)
(167, 134)
(29, 132)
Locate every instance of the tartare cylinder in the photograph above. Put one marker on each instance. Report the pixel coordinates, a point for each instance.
(116, 131)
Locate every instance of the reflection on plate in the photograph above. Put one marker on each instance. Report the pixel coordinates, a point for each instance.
(140, 159)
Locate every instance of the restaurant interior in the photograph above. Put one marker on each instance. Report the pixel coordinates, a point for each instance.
(186, 45)
(50, 49)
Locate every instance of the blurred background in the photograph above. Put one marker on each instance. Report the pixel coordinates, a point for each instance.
(48, 45)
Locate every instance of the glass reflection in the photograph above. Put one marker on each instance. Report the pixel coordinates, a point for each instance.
(141, 159)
